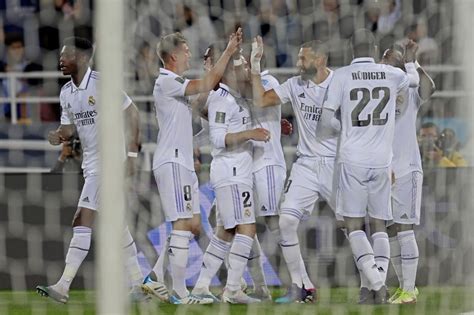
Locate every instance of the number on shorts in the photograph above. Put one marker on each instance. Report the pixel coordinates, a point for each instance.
(187, 193)
(364, 100)
(287, 185)
(246, 196)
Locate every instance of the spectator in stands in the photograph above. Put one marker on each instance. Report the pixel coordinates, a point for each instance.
(147, 68)
(390, 13)
(70, 159)
(198, 28)
(14, 61)
(451, 147)
(432, 153)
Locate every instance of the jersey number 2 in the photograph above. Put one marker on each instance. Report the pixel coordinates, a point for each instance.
(366, 97)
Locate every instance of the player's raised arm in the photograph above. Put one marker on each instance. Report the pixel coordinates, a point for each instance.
(132, 127)
(427, 86)
(410, 56)
(261, 97)
(211, 78)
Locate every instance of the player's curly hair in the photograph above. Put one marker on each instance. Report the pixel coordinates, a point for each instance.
(168, 44)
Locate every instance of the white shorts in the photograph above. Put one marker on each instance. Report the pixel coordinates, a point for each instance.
(268, 185)
(362, 189)
(179, 191)
(406, 198)
(235, 206)
(90, 193)
(310, 179)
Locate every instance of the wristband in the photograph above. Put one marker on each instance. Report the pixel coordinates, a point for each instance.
(132, 154)
(238, 62)
(417, 65)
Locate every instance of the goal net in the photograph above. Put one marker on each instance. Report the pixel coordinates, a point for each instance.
(41, 184)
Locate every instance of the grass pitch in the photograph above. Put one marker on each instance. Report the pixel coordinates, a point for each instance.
(432, 300)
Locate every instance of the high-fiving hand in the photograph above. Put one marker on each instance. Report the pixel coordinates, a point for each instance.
(256, 55)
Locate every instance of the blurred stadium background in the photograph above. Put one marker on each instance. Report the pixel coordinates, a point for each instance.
(38, 197)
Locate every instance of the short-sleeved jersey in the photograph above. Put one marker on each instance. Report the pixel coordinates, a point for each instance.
(406, 153)
(229, 114)
(271, 152)
(366, 93)
(307, 99)
(81, 106)
(174, 116)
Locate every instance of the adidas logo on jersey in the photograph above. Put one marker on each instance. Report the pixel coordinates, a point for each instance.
(302, 95)
(85, 199)
(404, 216)
(263, 208)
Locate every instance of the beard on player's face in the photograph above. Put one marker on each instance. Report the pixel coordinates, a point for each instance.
(308, 72)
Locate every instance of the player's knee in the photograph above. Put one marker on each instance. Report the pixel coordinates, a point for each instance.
(246, 229)
(196, 225)
(392, 230)
(377, 225)
(225, 235)
(83, 217)
(288, 223)
(273, 222)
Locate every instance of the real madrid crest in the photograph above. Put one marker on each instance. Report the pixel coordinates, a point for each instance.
(247, 212)
(91, 100)
(188, 207)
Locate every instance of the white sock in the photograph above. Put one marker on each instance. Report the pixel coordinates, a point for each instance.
(238, 259)
(365, 258)
(131, 259)
(381, 253)
(212, 261)
(304, 276)
(78, 249)
(409, 257)
(395, 258)
(364, 282)
(255, 265)
(178, 255)
(290, 246)
(162, 263)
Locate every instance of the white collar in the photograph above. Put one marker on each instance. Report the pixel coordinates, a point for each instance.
(363, 60)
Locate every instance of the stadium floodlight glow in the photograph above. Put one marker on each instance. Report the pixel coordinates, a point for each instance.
(110, 264)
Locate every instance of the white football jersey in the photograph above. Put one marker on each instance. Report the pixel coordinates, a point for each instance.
(307, 100)
(174, 116)
(229, 114)
(406, 153)
(366, 94)
(80, 106)
(271, 152)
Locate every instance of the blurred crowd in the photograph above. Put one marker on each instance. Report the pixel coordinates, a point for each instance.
(31, 32)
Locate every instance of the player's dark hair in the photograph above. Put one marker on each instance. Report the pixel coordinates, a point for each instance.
(317, 46)
(81, 44)
(430, 124)
(363, 43)
(168, 44)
